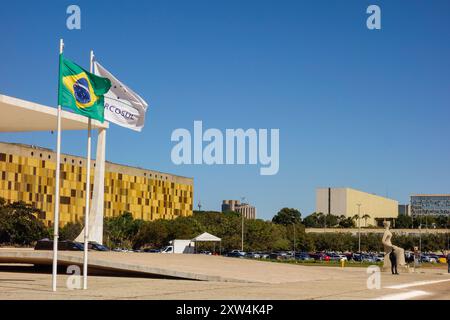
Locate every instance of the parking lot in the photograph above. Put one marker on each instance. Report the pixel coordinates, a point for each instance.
(413, 260)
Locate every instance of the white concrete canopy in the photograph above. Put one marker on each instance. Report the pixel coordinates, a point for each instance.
(19, 116)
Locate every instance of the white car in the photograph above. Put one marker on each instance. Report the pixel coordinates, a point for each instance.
(242, 253)
(343, 257)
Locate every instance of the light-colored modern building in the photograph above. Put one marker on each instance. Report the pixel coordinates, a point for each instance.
(28, 174)
(247, 210)
(404, 210)
(430, 204)
(350, 202)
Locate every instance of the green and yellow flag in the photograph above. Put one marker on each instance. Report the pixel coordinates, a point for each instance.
(80, 90)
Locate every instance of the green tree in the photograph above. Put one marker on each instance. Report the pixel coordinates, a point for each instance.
(19, 223)
(331, 220)
(287, 216)
(346, 222)
(70, 231)
(311, 221)
(357, 219)
(403, 222)
(119, 231)
(365, 218)
(153, 234)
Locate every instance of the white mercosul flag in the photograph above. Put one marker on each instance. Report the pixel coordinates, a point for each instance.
(123, 106)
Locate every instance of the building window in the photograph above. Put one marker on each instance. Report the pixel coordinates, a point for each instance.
(64, 200)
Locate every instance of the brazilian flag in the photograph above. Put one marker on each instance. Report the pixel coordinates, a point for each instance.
(80, 90)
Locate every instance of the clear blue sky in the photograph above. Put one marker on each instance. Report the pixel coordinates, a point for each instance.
(357, 108)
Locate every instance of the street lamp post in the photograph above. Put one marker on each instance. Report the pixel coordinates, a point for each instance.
(242, 235)
(242, 224)
(446, 227)
(447, 231)
(294, 238)
(359, 228)
(420, 241)
(420, 235)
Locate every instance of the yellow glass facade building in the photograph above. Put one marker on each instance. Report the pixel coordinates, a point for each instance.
(27, 173)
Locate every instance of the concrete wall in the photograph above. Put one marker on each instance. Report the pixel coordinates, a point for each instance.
(344, 201)
(355, 231)
(373, 205)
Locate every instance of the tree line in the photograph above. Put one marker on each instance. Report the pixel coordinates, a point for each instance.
(20, 225)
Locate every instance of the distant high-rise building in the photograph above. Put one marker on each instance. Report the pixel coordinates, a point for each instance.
(430, 204)
(404, 210)
(247, 210)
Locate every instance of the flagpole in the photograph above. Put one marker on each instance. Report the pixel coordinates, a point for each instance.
(58, 169)
(88, 192)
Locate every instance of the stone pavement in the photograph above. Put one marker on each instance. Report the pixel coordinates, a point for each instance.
(230, 278)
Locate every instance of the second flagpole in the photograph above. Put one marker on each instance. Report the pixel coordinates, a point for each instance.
(88, 191)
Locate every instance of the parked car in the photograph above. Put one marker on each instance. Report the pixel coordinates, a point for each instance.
(277, 255)
(47, 244)
(303, 256)
(364, 257)
(320, 256)
(97, 246)
(427, 258)
(434, 257)
(264, 255)
(253, 255)
(235, 254)
(288, 256)
(337, 257)
(152, 250)
(122, 250)
(242, 253)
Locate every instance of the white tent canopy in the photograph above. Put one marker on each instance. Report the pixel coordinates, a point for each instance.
(206, 237)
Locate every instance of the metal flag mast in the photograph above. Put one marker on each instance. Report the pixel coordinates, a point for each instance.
(58, 169)
(88, 190)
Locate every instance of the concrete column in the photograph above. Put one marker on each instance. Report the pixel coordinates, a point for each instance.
(97, 210)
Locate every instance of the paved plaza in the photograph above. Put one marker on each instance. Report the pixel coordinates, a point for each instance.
(221, 278)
